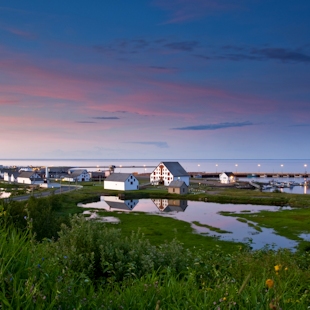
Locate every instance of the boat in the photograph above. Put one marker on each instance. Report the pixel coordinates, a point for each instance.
(298, 176)
(263, 176)
(275, 176)
(266, 187)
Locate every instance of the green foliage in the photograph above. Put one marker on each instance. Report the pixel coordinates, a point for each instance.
(134, 275)
(42, 213)
(104, 255)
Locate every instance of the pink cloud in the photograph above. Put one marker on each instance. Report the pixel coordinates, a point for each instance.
(20, 33)
(184, 10)
(90, 88)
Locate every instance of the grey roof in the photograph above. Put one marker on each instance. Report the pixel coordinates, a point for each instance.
(15, 174)
(229, 174)
(76, 173)
(26, 174)
(175, 168)
(177, 183)
(118, 177)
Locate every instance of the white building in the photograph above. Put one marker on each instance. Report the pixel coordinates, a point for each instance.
(29, 177)
(77, 176)
(10, 177)
(121, 182)
(167, 171)
(227, 177)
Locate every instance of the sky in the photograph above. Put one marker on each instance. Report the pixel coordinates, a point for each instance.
(163, 79)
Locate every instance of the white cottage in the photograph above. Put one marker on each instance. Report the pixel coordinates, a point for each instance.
(121, 182)
(78, 175)
(167, 171)
(227, 177)
(11, 177)
(29, 177)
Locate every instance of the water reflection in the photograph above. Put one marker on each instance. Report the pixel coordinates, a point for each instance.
(170, 205)
(204, 214)
(291, 185)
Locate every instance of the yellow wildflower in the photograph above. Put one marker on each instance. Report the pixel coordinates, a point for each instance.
(277, 268)
(269, 283)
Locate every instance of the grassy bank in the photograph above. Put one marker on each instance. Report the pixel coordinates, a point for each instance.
(91, 267)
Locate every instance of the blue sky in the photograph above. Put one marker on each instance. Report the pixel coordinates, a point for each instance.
(155, 79)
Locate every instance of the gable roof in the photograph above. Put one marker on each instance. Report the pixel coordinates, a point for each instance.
(229, 174)
(175, 168)
(76, 173)
(177, 183)
(118, 177)
(26, 174)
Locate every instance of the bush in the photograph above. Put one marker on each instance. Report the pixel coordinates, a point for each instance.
(102, 253)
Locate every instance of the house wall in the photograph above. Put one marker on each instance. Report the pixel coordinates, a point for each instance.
(178, 190)
(23, 180)
(6, 177)
(225, 179)
(161, 173)
(129, 185)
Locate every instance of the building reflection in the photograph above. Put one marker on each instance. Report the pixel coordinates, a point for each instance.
(118, 204)
(170, 205)
(114, 203)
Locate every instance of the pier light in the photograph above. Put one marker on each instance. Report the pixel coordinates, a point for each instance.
(258, 167)
(305, 165)
(216, 165)
(236, 167)
(282, 168)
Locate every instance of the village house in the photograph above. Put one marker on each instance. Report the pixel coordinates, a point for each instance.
(29, 177)
(227, 177)
(167, 171)
(121, 182)
(99, 175)
(11, 176)
(178, 187)
(79, 175)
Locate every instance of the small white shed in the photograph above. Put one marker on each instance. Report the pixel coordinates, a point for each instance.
(227, 177)
(121, 182)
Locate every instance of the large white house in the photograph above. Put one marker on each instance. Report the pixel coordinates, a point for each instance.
(227, 177)
(167, 171)
(121, 182)
(29, 177)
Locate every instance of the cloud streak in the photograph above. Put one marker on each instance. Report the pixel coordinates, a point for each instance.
(158, 144)
(215, 126)
(242, 53)
(105, 117)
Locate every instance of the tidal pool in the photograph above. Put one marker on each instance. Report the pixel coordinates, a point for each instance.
(204, 217)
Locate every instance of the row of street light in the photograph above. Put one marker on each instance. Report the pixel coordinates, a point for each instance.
(259, 165)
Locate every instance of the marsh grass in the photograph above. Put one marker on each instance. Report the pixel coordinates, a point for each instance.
(65, 274)
(211, 228)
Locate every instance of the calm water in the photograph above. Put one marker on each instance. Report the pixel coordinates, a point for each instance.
(190, 165)
(206, 214)
(298, 189)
